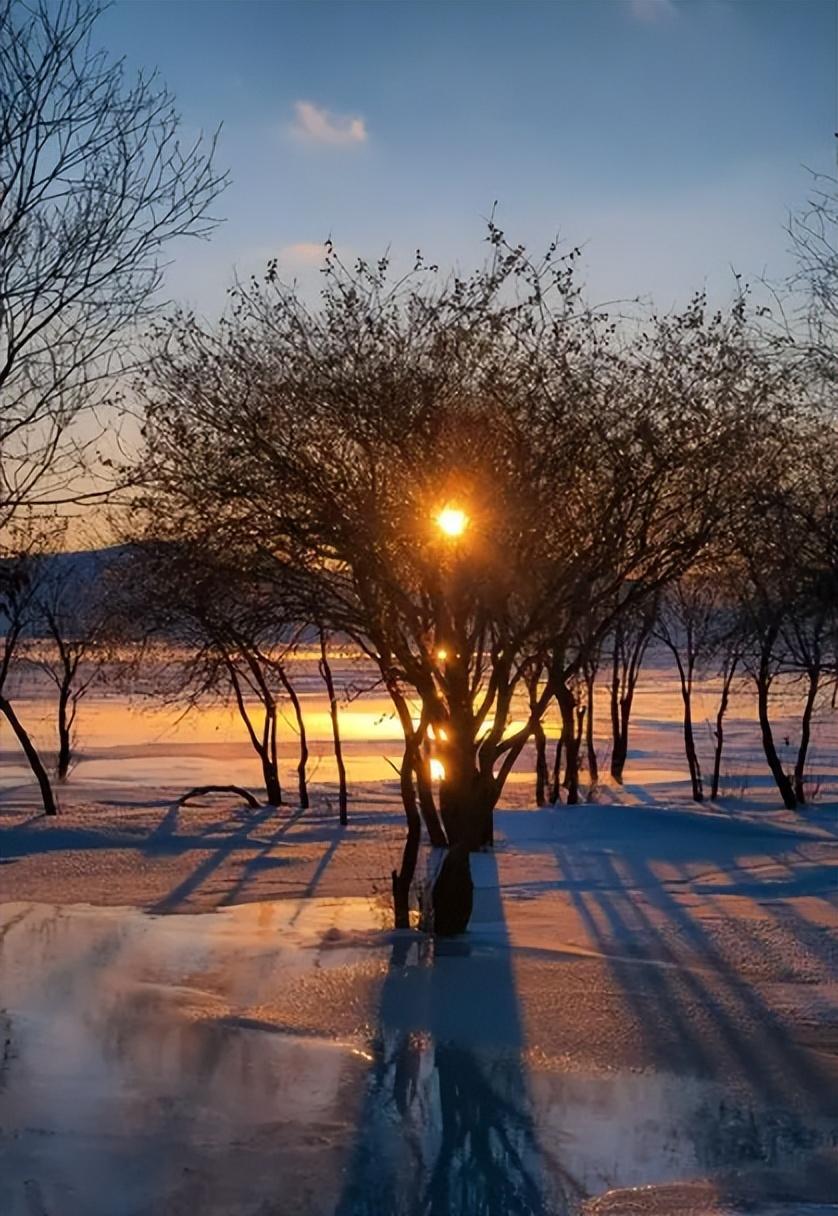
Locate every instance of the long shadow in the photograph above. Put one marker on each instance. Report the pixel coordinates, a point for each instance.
(446, 1126)
(23, 842)
(696, 1012)
(261, 858)
(317, 877)
(192, 882)
(166, 828)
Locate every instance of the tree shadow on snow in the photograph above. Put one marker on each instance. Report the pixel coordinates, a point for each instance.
(446, 1125)
(696, 1012)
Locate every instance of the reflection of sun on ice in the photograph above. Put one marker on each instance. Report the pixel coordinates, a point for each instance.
(437, 770)
(452, 520)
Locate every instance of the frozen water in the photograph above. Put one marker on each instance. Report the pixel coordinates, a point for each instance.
(297, 1057)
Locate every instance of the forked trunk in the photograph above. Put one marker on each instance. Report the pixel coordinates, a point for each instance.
(621, 715)
(686, 679)
(805, 734)
(572, 738)
(781, 779)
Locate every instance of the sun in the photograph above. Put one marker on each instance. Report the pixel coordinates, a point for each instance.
(452, 520)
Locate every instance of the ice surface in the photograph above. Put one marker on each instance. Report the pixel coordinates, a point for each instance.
(602, 1032)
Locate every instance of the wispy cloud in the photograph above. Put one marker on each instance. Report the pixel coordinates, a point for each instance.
(650, 11)
(316, 125)
(303, 253)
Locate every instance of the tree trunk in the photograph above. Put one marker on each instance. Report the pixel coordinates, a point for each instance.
(593, 763)
(30, 751)
(270, 775)
(64, 742)
(618, 751)
(727, 680)
(466, 803)
(686, 680)
(453, 893)
(805, 733)
(403, 877)
(302, 783)
(784, 785)
(457, 812)
(556, 783)
(326, 673)
(625, 671)
(539, 737)
(541, 775)
(567, 706)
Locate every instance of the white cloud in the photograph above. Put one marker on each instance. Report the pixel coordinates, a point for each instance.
(316, 125)
(650, 11)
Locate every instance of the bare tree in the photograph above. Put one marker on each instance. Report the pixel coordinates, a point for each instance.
(686, 622)
(218, 637)
(461, 473)
(94, 185)
(789, 572)
(814, 283)
(785, 570)
(70, 623)
(808, 529)
(572, 710)
(731, 646)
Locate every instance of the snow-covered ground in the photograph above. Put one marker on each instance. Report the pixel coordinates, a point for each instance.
(643, 1018)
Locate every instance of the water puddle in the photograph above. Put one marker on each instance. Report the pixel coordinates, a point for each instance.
(298, 1059)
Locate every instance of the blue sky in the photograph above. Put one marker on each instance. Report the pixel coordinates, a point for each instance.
(669, 136)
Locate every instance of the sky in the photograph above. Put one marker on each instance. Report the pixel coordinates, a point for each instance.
(670, 138)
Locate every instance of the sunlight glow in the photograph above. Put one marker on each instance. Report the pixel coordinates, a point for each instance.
(442, 655)
(452, 520)
(437, 770)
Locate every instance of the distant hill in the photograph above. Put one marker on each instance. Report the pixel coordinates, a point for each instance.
(86, 564)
